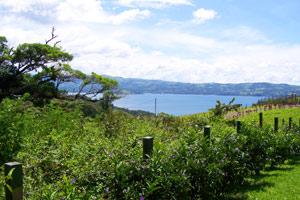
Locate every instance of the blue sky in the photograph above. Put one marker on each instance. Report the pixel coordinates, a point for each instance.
(223, 41)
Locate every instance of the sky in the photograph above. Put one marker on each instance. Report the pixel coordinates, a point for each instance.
(195, 41)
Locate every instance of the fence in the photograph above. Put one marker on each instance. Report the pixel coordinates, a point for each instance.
(262, 107)
(14, 172)
(283, 100)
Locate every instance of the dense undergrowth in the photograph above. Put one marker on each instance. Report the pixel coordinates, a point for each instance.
(67, 155)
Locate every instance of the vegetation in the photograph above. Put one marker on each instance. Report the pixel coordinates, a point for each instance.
(140, 113)
(268, 117)
(67, 155)
(222, 109)
(281, 182)
(83, 150)
(39, 69)
(280, 100)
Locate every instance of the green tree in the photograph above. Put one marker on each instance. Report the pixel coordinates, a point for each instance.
(39, 69)
(30, 68)
(221, 108)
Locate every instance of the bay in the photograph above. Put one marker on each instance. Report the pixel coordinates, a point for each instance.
(179, 104)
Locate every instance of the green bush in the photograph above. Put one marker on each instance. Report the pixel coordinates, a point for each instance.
(67, 155)
(13, 116)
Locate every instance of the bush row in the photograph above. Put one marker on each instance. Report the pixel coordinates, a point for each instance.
(68, 156)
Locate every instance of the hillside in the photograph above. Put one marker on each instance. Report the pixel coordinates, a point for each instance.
(67, 155)
(140, 86)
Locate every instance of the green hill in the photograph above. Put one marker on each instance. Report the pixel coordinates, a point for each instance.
(141, 86)
(157, 86)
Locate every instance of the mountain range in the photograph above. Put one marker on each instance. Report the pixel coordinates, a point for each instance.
(141, 86)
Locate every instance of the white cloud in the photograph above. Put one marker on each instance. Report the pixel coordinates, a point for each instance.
(243, 63)
(154, 52)
(18, 6)
(68, 10)
(129, 15)
(245, 33)
(77, 10)
(211, 60)
(91, 11)
(153, 3)
(201, 15)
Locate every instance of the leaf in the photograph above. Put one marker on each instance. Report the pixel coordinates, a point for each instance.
(9, 188)
(9, 176)
(52, 196)
(232, 101)
(152, 186)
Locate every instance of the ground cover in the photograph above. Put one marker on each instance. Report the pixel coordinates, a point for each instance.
(67, 155)
(268, 116)
(282, 182)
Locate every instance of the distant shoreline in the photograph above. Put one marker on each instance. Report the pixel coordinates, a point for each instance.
(195, 94)
(178, 104)
(142, 86)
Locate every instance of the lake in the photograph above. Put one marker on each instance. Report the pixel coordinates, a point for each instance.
(179, 104)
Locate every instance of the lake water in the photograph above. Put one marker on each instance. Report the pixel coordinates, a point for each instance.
(179, 104)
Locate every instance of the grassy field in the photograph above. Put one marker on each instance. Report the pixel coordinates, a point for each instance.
(283, 182)
(66, 155)
(268, 116)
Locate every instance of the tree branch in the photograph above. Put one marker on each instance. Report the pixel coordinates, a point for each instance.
(53, 36)
(56, 43)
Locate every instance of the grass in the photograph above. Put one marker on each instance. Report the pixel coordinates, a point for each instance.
(283, 182)
(268, 116)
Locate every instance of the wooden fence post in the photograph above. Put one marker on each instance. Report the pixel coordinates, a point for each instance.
(207, 132)
(260, 119)
(238, 126)
(147, 147)
(16, 181)
(276, 124)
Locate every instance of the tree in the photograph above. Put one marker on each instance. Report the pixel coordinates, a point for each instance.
(39, 69)
(221, 108)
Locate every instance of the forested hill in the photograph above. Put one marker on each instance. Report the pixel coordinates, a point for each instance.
(140, 86)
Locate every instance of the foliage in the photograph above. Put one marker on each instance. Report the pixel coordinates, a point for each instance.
(221, 109)
(281, 182)
(67, 155)
(39, 69)
(13, 116)
(18, 64)
(140, 113)
(268, 117)
(290, 99)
